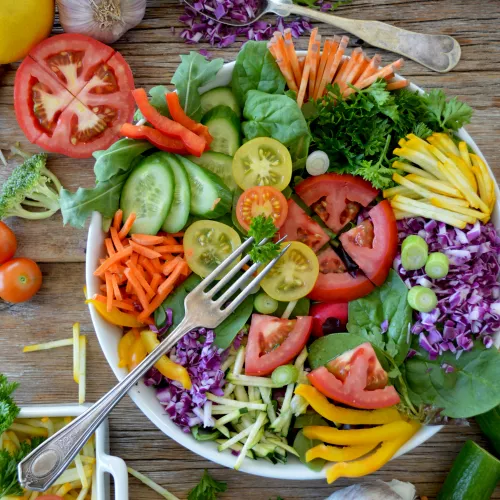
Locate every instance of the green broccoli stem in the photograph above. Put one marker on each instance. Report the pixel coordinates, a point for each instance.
(19, 211)
(45, 195)
(47, 173)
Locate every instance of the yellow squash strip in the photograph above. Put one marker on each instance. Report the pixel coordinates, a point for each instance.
(76, 354)
(337, 454)
(440, 187)
(357, 436)
(340, 415)
(116, 317)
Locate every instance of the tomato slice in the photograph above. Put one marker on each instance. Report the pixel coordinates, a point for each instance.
(273, 342)
(353, 388)
(72, 94)
(373, 244)
(335, 284)
(337, 199)
(328, 317)
(261, 200)
(299, 226)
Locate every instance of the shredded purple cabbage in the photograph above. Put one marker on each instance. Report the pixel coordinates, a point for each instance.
(168, 323)
(201, 28)
(468, 297)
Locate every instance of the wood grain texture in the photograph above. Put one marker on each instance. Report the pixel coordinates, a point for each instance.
(152, 50)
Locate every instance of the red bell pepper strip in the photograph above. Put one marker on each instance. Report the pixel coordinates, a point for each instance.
(155, 137)
(180, 116)
(192, 142)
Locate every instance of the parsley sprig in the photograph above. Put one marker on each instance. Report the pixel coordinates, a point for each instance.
(207, 488)
(8, 409)
(263, 227)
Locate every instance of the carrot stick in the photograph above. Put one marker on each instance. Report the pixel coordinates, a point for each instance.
(128, 287)
(172, 278)
(314, 66)
(155, 303)
(117, 219)
(361, 68)
(178, 234)
(116, 239)
(169, 240)
(109, 246)
(141, 279)
(321, 68)
(370, 69)
(120, 304)
(147, 240)
(169, 249)
(167, 257)
(109, 291)
(142, 250)
(127, 226)
(155, 281)
(399, 84)
(334, 60)
(285, 70)
(149, 266)
(350, 69)
(103, 287)
(116, 289)
(117, 257)
(289, 76)
(307, 68)
(170, 266)
(292, 56)
(134, 282)
(157, 264)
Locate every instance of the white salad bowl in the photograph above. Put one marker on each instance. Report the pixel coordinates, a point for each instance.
(145, 397)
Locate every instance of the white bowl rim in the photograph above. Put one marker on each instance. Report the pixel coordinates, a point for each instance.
(145, 398)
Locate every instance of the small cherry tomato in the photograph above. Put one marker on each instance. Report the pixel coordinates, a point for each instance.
(20, 279)
(8, 243)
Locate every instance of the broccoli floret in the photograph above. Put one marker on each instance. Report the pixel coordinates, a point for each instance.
(30, 185)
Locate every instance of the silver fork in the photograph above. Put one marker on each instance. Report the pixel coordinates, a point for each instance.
(45, 464)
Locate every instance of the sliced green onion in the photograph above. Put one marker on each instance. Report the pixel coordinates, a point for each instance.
(422, 299)
(414, 252)
(437, 265)
(265, 304)
(284, 375)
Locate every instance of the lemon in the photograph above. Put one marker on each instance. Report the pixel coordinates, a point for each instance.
(23, 23)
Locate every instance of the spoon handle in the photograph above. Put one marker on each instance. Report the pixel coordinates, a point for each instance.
(437, 52)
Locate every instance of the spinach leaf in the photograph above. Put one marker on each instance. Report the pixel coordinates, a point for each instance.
(387, 302)
(300, 309)
(470, 389)
(301, 445)
(118, 158)
(309, 418)
(157, 100)
(194, 72)
(275, 116)
(299, 151)
(256, 69)
(175, 301)
(232, 325)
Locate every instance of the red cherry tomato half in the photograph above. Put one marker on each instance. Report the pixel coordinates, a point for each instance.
(374, 243)
(8, 243)
(354, 389)
(261, 200)
(72, 94)
(337, 199)
(20, 279)
(299, 226)
(335, 284)
(273, 342)
(328, 318)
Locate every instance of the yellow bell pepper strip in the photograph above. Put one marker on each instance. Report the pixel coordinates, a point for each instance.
(374, 461)
(337, 454)
(116, 317)
(321, 405)
(137, 354)
(164, 365)
(357, 436)
(125, 346)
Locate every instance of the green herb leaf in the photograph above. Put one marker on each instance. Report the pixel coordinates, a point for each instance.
(194, 72)
(451, 114)
(263, 227)
(314, 4)
(207, 488)
(8, 409)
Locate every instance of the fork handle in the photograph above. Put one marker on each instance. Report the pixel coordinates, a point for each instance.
(437, 52)
(45, 464)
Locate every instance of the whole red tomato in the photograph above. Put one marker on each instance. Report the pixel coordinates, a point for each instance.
(8, 243)
(20, 279)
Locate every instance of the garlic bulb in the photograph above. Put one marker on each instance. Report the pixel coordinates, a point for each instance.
(105, 20)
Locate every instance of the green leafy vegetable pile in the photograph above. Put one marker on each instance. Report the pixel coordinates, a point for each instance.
(8, 409)
(359, 132)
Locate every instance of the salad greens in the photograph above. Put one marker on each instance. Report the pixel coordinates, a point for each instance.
(8, 409)
(207, 488)
(263, 227)
(256, 69)
(226, 332)
(358, 132)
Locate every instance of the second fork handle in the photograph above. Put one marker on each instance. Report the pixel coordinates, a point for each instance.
(437, 52)
(45, 464)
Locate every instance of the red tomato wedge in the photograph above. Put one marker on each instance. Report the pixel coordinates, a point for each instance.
(72, 94)
(337, 199)
(335, 284)
(353, 390)
(328, 317)
(374, 243)
(261, 200)
(273, 342)
(299, 226)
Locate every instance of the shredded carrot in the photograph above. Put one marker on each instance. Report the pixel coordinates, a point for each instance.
(116, 303)
(148, 240)
(141, 279)
(157, 264)
(116, 288)
(127, 226)
(292, 56)
(321, 68)
(169, 240)
(139, 291)
(155, 303)
(109, 246)
(142, 250)
(167, 257)
(178, 234)
(103, 288)
(135, 257)
(169, 249)
(149, 267)
(170, 266)
(117, 257)
(399, 84)
(117, 219)
(172, 278)
(116, 239)
(155, 282)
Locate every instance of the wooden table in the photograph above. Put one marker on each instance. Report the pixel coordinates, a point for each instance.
(153, 49)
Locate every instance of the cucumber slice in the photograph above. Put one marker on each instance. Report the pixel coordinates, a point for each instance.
(473, 476)
(148, 192)
(489, 423)
(218, 163)
(225, 128)
(217, 97)
(210, 198)
(179, 211)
